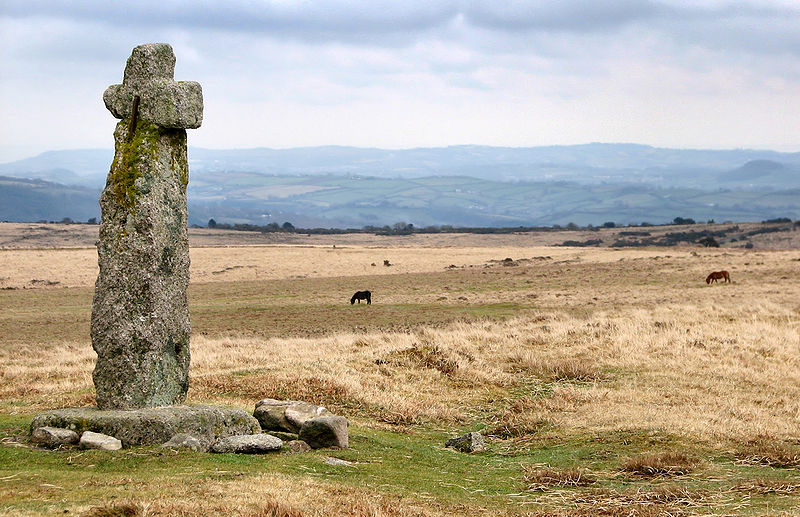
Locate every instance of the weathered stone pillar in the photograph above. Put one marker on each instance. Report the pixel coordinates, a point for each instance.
(140, 314)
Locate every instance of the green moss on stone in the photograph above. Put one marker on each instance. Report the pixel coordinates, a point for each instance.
(141, 146)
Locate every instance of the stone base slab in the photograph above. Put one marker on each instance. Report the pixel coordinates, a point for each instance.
(152, 426)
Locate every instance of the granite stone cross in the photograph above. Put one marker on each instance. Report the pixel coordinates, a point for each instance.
(162, 101)
(140, 314)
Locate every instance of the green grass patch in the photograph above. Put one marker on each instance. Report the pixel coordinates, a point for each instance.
(508, 477)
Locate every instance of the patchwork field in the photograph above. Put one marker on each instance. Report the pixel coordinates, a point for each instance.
(606, 381)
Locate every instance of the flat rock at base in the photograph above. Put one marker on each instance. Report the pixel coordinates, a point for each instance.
(152, 426)
(285, 415)
(298, 446)
(470, 442)
(325, 431)
(90, 440)
(186, 441)
(52, 437)
(248, 444)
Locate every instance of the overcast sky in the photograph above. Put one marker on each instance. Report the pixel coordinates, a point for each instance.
(411, 73)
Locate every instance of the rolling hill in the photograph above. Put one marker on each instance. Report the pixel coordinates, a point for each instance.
(460, 186)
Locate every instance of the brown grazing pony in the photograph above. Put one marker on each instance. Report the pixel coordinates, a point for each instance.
(718, 275)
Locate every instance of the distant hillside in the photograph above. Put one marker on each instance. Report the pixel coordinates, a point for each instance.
(761, 172)
(24, 200)
(86, 167)
(587, 164)
(462, 185)
(334, 201)
(464, 201)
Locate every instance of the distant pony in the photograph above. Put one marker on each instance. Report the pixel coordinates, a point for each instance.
(361, 295)
(718, 275)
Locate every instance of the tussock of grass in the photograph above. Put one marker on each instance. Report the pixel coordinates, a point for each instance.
(276, 509)
(124, 509)
(569, 369)
(769, 451)
(660, 464)
(398, 417)
(672, 494)
(430, 356)
(667, 500)
(769, 486)
(518, 421)
(544, 478)
(572, 370)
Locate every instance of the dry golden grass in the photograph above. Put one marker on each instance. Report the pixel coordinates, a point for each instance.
(664, 500)
(278, 496)
(770, 486)
(35, 268)
(714, 372)
(586, 341)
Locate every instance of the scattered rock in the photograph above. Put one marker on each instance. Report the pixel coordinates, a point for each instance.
(285, 415)
(186, 441)
(325, 431)
(470, 442)
(90, 440)
(248, 444)
(298, 446)
(52, 437)
(337, 462)
(152, 426)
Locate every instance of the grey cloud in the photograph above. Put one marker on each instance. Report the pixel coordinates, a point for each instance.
(571, 15)
(610, 15)
(320, 19)
(396, 23)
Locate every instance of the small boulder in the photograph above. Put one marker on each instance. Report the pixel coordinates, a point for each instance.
(90, 440)
(470, 442)
(52, 437)
(325, 431)
(298, 446)
(186, 441)
(285, 415)
(337, 462)
(248, 444)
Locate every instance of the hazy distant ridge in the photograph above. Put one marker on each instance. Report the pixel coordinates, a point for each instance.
(460, 185)
(589, 163)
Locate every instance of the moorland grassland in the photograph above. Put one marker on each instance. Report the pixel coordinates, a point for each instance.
(607, 381)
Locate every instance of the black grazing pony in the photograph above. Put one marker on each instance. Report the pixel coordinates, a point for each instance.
(361, 295)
